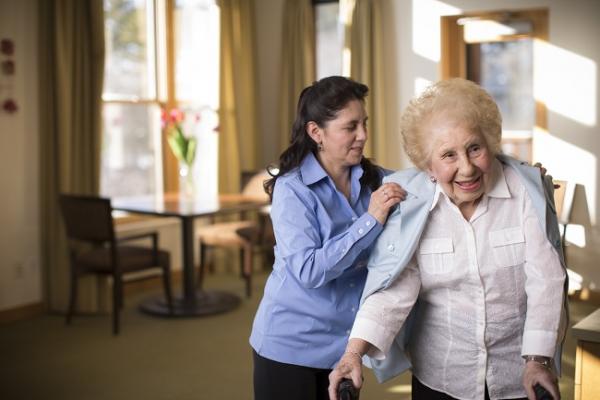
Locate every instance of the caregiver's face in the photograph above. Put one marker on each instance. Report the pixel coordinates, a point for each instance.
(459, 160)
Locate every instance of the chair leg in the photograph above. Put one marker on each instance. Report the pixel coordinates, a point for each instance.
(247, 268)
(117, 301)
(210, 260)
(167, 286)
(242, 256)
(72, 297)
(203, 251)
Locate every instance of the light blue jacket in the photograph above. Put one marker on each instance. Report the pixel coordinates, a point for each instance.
(400, 238)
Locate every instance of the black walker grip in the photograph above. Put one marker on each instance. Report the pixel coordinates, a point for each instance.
(541, 393)
(347, 391)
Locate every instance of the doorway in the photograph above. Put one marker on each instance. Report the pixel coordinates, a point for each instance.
(497, 50)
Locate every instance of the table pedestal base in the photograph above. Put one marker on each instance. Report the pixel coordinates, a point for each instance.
(207, 302)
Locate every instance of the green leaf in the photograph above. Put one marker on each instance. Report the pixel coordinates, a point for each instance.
(183, 148)
(183, 141)
(177, 144)
(191, 151)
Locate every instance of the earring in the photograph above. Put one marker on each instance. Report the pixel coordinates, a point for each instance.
(432, 179)
(320, 146)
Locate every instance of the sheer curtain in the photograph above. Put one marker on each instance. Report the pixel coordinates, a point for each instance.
(238, 149)
(364, 38)
(71, 69)
(298, 60)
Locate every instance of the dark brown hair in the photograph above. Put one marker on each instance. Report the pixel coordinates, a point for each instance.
(320, 103)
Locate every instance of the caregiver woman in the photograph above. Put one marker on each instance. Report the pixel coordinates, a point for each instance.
(474, 252)
(328, 208)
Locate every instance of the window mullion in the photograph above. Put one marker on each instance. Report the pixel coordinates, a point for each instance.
(170, 164)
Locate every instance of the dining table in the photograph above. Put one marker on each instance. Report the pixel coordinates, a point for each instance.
(194, 301)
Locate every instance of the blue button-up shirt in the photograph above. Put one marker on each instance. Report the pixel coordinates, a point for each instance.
(323, 242)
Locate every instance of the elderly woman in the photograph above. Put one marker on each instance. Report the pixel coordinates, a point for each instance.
(473, 252)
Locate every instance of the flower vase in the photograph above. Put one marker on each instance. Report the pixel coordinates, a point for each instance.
(186, 181)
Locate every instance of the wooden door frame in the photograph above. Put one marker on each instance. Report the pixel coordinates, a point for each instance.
(453, 62)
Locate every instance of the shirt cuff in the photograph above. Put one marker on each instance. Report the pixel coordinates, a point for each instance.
(365, 224)
(374, 333)
(539, 343)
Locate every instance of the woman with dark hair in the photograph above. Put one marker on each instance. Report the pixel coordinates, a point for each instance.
(328, 207)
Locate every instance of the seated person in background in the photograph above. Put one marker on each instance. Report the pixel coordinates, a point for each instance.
(473, 251)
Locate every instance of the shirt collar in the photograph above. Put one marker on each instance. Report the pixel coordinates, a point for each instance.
(311, 171)
(436, 196)
(498, 188)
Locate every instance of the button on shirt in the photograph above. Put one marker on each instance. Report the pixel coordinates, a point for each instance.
(489, 290)
(323, 242)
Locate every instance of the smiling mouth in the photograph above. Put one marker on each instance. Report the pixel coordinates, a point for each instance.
(469, 186)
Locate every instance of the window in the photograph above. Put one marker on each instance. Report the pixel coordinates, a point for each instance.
(329, 38)
(196, 33)
(157, 57)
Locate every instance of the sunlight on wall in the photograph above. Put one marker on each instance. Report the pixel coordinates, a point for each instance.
(487, 30)
(426, 26)
(568, 162)
(565, 82)
(575, 235)
(420, 85)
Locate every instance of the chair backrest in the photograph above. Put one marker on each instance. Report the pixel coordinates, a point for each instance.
(563, 200)
(87, 218)
(254, 187)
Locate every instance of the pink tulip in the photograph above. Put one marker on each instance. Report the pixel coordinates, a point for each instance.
(177, 115)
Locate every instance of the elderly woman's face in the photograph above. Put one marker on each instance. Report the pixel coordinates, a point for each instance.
(460, 160)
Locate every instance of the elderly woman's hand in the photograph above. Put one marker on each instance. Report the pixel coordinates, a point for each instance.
(383, 199)
(543, 171)
(350, 367)
(537, 373)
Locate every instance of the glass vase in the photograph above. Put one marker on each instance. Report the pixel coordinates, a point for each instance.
(186, 181)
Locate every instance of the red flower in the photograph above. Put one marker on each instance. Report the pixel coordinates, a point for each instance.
(164, 118)
(177, 115)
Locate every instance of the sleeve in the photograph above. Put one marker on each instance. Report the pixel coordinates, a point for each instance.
(313, 261)
(544, 286)
(383, 313)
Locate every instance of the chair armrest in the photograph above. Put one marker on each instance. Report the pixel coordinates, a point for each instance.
(153, 235)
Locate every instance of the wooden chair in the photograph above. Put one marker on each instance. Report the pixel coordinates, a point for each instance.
(88, 221)
(247, 234)
(563, 203)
